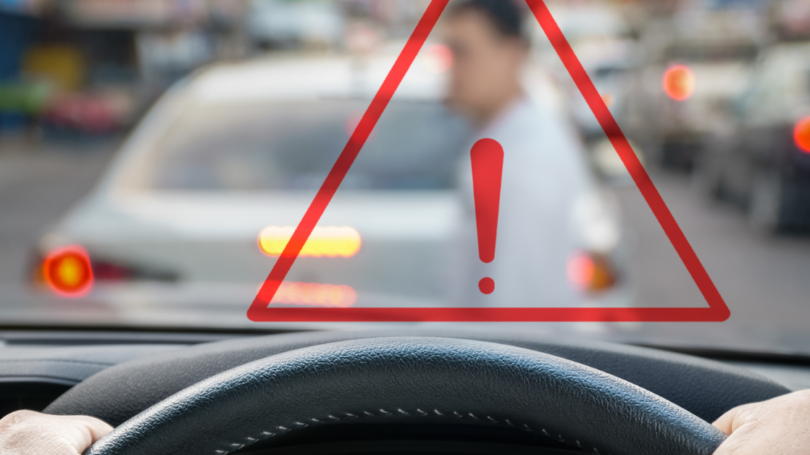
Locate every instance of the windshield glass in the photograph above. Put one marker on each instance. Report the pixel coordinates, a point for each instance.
(628, 170)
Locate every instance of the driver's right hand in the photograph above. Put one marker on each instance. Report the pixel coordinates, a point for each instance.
(780, 426)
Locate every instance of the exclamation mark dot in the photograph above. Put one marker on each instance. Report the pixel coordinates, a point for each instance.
(486, 285)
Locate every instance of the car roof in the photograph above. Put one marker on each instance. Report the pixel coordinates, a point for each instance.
(316, 76)
(334, 76)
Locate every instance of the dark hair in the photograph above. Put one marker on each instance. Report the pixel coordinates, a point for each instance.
(505, 15)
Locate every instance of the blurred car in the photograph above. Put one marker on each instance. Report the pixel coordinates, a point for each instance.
(610, 76)
(605, 44)
(763, 160)
(790, 19)
(205, 194)
(90, 113)
(274, 24)
(695, 65)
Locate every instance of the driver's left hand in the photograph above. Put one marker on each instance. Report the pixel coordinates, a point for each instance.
(32, 433)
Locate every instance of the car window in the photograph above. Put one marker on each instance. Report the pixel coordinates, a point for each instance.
(293, 145)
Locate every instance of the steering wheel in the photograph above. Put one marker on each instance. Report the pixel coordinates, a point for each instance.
(403, 381)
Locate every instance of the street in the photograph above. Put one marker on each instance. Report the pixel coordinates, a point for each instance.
(37, 186)
(762, 279)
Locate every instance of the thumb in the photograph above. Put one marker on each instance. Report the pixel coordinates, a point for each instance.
(83, 431)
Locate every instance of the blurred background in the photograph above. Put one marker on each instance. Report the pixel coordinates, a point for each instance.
(714, 95)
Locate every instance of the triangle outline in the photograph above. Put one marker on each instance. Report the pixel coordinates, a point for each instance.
(717, 311)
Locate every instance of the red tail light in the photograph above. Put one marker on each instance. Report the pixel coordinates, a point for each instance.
(67, 271)
(590, 272)
(316, 294)
(801, 134)
(679, 82)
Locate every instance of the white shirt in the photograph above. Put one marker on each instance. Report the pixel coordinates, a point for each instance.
(544, 173)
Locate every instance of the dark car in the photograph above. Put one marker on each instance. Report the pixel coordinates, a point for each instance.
(707, 57)
(762, 160)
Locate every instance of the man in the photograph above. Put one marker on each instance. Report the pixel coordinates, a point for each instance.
(544, 174)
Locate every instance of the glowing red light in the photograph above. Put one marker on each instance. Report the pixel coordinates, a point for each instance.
(68, 272)
(581, 270)
(590, 272)
(438, 58)
(679, 82)
(315, 294)
(801, 134)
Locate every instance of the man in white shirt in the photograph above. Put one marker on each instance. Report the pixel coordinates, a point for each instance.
(544, 174)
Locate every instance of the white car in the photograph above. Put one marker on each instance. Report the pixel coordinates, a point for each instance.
(273, 23)
(205, 193)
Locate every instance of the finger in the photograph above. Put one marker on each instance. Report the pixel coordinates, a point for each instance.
(96, 427)
(733, 419)
(724, 423)
(80, 431)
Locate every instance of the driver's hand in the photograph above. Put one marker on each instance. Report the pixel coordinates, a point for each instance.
(780, 426)
(32, 433)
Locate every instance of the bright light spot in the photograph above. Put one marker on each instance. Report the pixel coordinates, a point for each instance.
(315, 294)
(679, 82)
(581, 270)
(68, 272)
(590, 272)
(608, 99)
(324, 242)
(801, 134)
(437, 58)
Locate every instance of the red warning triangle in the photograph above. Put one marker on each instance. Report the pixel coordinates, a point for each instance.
(260, 311)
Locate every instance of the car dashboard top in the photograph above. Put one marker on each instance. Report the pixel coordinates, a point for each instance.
(47, 363)
(37, 367)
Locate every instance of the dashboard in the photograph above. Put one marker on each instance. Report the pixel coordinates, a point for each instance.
(40, 370)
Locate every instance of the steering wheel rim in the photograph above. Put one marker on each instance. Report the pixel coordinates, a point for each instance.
(408, 380)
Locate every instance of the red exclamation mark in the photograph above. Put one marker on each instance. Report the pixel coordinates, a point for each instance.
(487, 171)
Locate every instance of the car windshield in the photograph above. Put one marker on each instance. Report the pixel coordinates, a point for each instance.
(636, 171)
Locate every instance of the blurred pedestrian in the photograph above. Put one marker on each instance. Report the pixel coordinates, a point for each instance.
(544, 172)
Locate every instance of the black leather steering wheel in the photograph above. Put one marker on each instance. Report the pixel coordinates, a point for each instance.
(409, 380)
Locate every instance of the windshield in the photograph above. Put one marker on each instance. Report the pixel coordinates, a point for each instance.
(410, 162)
